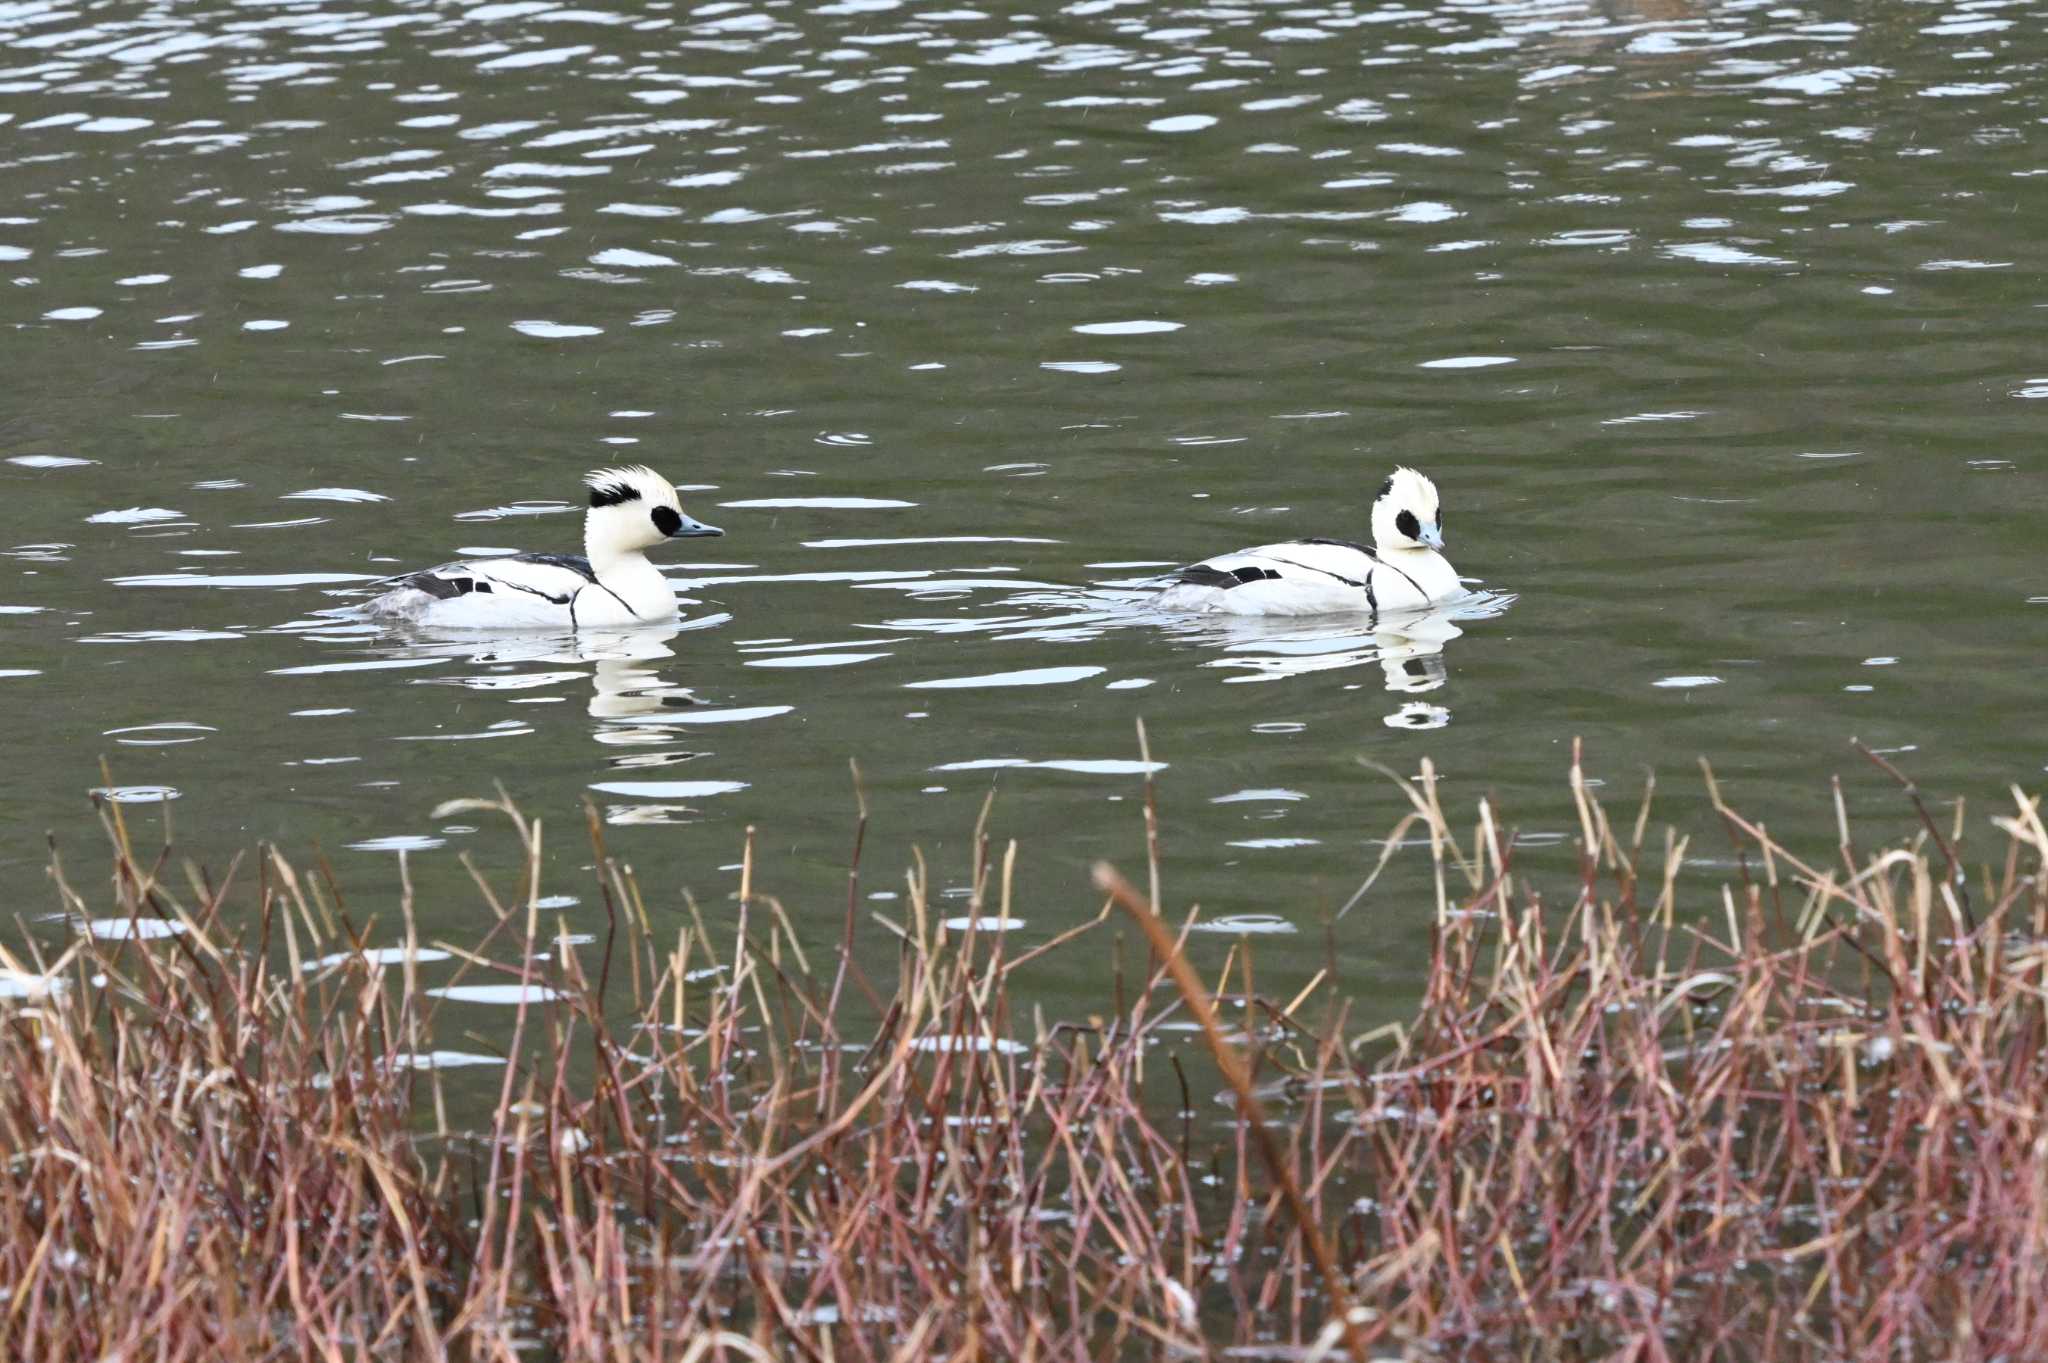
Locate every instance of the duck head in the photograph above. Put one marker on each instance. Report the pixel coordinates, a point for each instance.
(632, 509)
(1407, 513)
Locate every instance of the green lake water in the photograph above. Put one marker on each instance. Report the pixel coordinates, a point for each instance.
(1719, 326)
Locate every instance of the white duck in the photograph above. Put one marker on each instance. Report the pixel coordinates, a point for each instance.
(609, 586)
(1403, 570)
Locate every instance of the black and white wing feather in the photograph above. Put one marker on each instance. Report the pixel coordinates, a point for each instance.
(1308, 577)
(538, 589)
(1298, 577)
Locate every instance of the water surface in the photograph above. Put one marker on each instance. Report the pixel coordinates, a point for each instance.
(1718, 325)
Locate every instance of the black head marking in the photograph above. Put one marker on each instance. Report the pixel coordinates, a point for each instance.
(1408, 525)
(666, 520)
(1385, 488)
(612, 494)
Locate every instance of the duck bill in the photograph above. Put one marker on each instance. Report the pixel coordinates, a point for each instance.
(691, 530)
(1432, 538)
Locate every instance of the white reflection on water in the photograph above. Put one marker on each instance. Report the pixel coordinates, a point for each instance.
(1407, 648)
(637, 710)
(624, 684)
(1030, 676)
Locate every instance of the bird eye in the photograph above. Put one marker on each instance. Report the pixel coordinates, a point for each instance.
(666, 520)
(1408, 525)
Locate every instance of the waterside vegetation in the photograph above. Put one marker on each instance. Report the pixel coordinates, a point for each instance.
(1653, 1111)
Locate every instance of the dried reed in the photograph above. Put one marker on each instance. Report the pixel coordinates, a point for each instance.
(1798, 1119)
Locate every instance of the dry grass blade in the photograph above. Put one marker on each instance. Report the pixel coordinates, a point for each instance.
(1240, 1080)
(1717, 1126)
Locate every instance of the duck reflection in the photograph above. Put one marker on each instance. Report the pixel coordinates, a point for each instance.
(623, 667)
(625, 677)
(1407, 648)
(636, 708)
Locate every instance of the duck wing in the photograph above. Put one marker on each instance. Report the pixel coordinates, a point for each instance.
(1314, 562)
(1297, 577)
(555, 578)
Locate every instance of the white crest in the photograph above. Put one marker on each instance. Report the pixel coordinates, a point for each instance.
(632, 508)
(1407, 513)
(628, 483)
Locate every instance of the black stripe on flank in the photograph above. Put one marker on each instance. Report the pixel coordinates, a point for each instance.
(1411, 581)
(1311, 568)
(616, 597)
(548, 597)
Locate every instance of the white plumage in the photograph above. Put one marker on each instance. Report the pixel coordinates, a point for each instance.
(1403, 570)
(611, 585)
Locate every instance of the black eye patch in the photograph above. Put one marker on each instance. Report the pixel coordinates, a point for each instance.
(1408, 525)
(666, 520)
